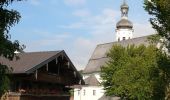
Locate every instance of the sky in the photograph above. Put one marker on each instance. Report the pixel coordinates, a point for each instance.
(75, 26)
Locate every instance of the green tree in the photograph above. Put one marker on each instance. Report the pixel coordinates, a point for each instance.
(160, 11)
(136, 72)
(8, 17)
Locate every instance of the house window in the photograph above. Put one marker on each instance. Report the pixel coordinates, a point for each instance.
(124, 38)
(118, 39)
(84, 92)
(94, 92)
(78, 92)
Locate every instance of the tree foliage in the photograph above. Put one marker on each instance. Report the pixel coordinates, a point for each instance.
(160, 10)
(8, 18)
(136, 72)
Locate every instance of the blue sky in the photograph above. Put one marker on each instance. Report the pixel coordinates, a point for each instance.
(75, 26)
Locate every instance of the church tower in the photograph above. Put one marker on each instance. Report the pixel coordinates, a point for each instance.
(124, 28)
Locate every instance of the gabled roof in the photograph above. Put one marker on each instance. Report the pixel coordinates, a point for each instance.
(99, 57)
(29, 61)
(92, 81)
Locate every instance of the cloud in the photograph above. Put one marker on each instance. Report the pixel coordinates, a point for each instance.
(94, 22)
(143, 29)
(75, 2)
(46, 40)
(82, 13)
(101, 29)
(83, 48)
(34, 2)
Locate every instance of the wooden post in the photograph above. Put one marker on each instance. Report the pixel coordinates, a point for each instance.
(36, 76)
(68, 64)
(74, 74)
(56, 61)
(47, 67)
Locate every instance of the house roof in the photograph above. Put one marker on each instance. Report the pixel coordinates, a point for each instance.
(27, 61)
(99, 57)
(92, 81)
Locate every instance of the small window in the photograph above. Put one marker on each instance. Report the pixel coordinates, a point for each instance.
(78, 92)
(118, 39)
(124, 38)
(94, 92)
(84, 92)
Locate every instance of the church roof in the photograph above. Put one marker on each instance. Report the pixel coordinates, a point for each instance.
(92, 81)
(99, 57)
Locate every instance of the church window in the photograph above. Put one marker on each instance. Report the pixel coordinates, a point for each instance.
(118, 39)
(84, 92)
(124, 38)
(94, 92)
(78, 92)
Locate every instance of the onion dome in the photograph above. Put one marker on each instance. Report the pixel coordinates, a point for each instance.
(124, 23)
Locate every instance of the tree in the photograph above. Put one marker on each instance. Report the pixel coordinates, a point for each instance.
(160, 10)
(136, 72)
(7, 48)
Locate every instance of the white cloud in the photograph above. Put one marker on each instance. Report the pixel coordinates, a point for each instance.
(102, 29)
(34, 2)
(95, 22)
(77, 25)
(143, 29)
(46, 39)
(100, 26)
(82, 13)
(75, 2)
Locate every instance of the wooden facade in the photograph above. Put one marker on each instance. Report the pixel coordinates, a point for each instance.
(48, 80)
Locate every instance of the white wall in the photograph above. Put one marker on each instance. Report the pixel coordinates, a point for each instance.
(127, 33)
(86, 93)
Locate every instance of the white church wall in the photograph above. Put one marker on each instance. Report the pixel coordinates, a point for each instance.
(121, 33)
(88, 93)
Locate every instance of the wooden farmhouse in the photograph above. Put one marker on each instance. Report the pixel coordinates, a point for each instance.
(41, 76)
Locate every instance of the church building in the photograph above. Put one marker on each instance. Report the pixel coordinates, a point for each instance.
(92, 90)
